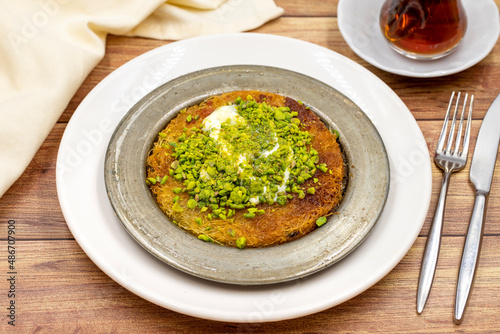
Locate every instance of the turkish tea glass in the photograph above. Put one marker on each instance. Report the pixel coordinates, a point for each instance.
(423, 29)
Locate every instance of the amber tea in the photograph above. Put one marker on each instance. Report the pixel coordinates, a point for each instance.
(423, 29)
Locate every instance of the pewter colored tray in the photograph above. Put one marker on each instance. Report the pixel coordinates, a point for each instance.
(363, 201)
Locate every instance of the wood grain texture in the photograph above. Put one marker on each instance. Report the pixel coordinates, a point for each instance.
(60, 290)
(302, 8)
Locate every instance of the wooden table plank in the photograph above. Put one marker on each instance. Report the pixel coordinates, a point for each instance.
(302, 8)
(62, 291)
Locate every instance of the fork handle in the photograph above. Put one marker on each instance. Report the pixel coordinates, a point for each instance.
(431, 252)
(470, 256)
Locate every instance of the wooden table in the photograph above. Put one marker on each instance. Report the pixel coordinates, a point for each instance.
(60, 290)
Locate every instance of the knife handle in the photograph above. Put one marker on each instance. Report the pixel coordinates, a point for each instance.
(470, 256)
(432, 246)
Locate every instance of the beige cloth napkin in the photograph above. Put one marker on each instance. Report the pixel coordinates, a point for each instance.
(48, 47)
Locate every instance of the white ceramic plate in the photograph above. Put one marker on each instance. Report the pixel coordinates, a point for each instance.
(358, 24)
(90, 217)
(362, 203)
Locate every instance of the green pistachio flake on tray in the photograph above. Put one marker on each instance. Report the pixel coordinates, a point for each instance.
(321, 221)
(204, 237)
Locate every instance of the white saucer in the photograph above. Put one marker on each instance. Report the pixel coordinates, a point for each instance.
(91, 219)
(358, 24)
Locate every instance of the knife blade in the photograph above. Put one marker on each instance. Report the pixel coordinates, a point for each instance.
(481, 175)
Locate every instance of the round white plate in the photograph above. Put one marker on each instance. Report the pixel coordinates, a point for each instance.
(362, 203)
(359, 25)
(90, 217)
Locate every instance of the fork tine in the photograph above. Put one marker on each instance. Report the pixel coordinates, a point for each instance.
(442, 136)
(452, 127)
(467, 128)
(458, 139)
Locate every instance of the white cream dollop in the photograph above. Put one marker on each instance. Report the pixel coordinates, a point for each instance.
(221, 115)
(212, 124)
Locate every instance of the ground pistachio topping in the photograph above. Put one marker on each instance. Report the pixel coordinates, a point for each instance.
(243, 154)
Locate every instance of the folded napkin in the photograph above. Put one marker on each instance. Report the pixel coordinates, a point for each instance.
(48, 47)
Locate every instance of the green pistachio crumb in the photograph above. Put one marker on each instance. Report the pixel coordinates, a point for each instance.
(191, 185)
(204, 237)
(192, 203)
(279, 116)
(281, 200)
(321, 221)
(176, 207)
(151, 180)
(241, 242)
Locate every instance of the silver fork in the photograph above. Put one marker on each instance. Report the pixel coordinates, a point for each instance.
(449, 160)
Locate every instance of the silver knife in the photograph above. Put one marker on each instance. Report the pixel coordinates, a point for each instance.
(481, 174)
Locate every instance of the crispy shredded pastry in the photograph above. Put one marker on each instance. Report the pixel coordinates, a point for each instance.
(279, 223)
